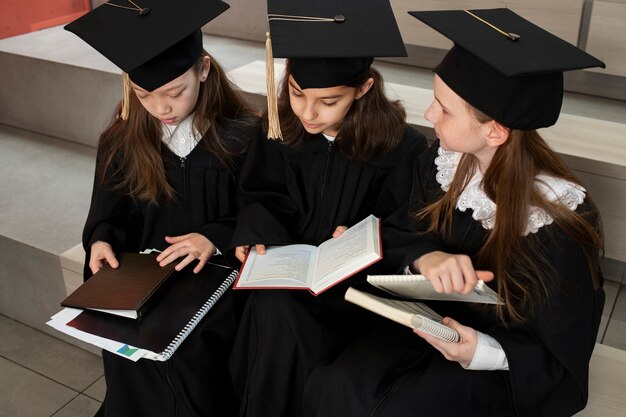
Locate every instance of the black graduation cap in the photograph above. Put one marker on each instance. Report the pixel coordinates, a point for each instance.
(504, 65)
(329, 42)
(332, 42)
(154, 41)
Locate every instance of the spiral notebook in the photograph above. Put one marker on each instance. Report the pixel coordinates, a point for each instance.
(418, 287)
(411, 314)
(174, 315)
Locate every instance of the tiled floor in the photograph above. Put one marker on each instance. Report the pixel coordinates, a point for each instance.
(41, 376)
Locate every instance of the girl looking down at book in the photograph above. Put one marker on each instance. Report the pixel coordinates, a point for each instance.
(166, 179)
(492, 201)
(342, 137)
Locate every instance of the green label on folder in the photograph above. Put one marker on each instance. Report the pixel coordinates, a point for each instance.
(127, 350)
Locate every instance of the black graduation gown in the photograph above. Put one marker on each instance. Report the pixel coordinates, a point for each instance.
(389, 371)
(195, 380)
(300, 195)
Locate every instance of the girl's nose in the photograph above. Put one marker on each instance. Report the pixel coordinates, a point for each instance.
(309, 112)
(163, 107)
(431, 112)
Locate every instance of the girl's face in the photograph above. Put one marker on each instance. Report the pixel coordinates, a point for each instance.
(173, 102)
(322, 110)
(458, 129)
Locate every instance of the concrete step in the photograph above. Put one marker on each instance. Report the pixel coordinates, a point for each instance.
(44, 199)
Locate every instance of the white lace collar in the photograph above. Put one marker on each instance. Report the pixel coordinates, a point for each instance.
(474, 197)
(181, 139)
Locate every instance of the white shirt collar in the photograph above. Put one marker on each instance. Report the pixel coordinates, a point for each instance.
(474, 197)
(182, 138)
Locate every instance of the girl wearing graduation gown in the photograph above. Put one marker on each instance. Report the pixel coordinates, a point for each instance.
(342, 138)
(166, 174)
(491, 201)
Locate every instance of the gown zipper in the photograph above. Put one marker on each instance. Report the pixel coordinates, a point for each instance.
(381, 401)
(171, 384)
(183, 166)
(327, 163)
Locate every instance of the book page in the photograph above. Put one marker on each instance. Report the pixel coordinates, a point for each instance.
(59, 322)
(131, 314)
(282, 266)
(341, 256)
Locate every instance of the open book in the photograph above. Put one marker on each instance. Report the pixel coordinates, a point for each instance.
(314, 268)
(418, 287)
(411, 314)
(124, 291)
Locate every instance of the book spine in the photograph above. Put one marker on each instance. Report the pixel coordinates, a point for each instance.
(208, 305)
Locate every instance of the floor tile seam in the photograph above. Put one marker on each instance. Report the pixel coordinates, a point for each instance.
(49, 335)
(610, 315)
(64, 405)
(21, 365)
(91, 397)
(89, 387)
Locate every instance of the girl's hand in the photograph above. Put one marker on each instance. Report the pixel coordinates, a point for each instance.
(450, 273)
(242, 251)
(461, 352)
(339, 231)
(194, 245)
(101, 254)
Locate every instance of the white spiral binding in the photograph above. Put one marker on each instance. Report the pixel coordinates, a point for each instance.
(182, 335)
(436, 329)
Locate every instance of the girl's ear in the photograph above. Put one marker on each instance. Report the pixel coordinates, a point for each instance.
(497, 133)
(206, 67)
(363, 89)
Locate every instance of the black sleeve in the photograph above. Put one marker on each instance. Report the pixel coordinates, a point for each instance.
(409, 189)
(108, 214)
(263, 197)
(549, 355)
(396, 190)
(236, 135)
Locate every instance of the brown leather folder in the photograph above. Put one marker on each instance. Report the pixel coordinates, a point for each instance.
(126, 290)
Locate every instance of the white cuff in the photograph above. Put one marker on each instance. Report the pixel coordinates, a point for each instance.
(489, 355)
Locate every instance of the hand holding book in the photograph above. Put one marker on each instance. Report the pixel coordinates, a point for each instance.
(462, 350)
(412, 313)
(418, 287)
(408, 313)
(450, 273)
(314, 268)
(126, 290)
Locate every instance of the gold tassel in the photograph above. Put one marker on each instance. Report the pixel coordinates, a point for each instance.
(273, 131)
(126, 97)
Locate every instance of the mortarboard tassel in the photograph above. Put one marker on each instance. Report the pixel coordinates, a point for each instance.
(126, 97)
(273, 130)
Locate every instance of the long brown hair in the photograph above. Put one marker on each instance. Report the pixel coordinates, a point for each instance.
(130, 150)
(522, 275)
(374, 125)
